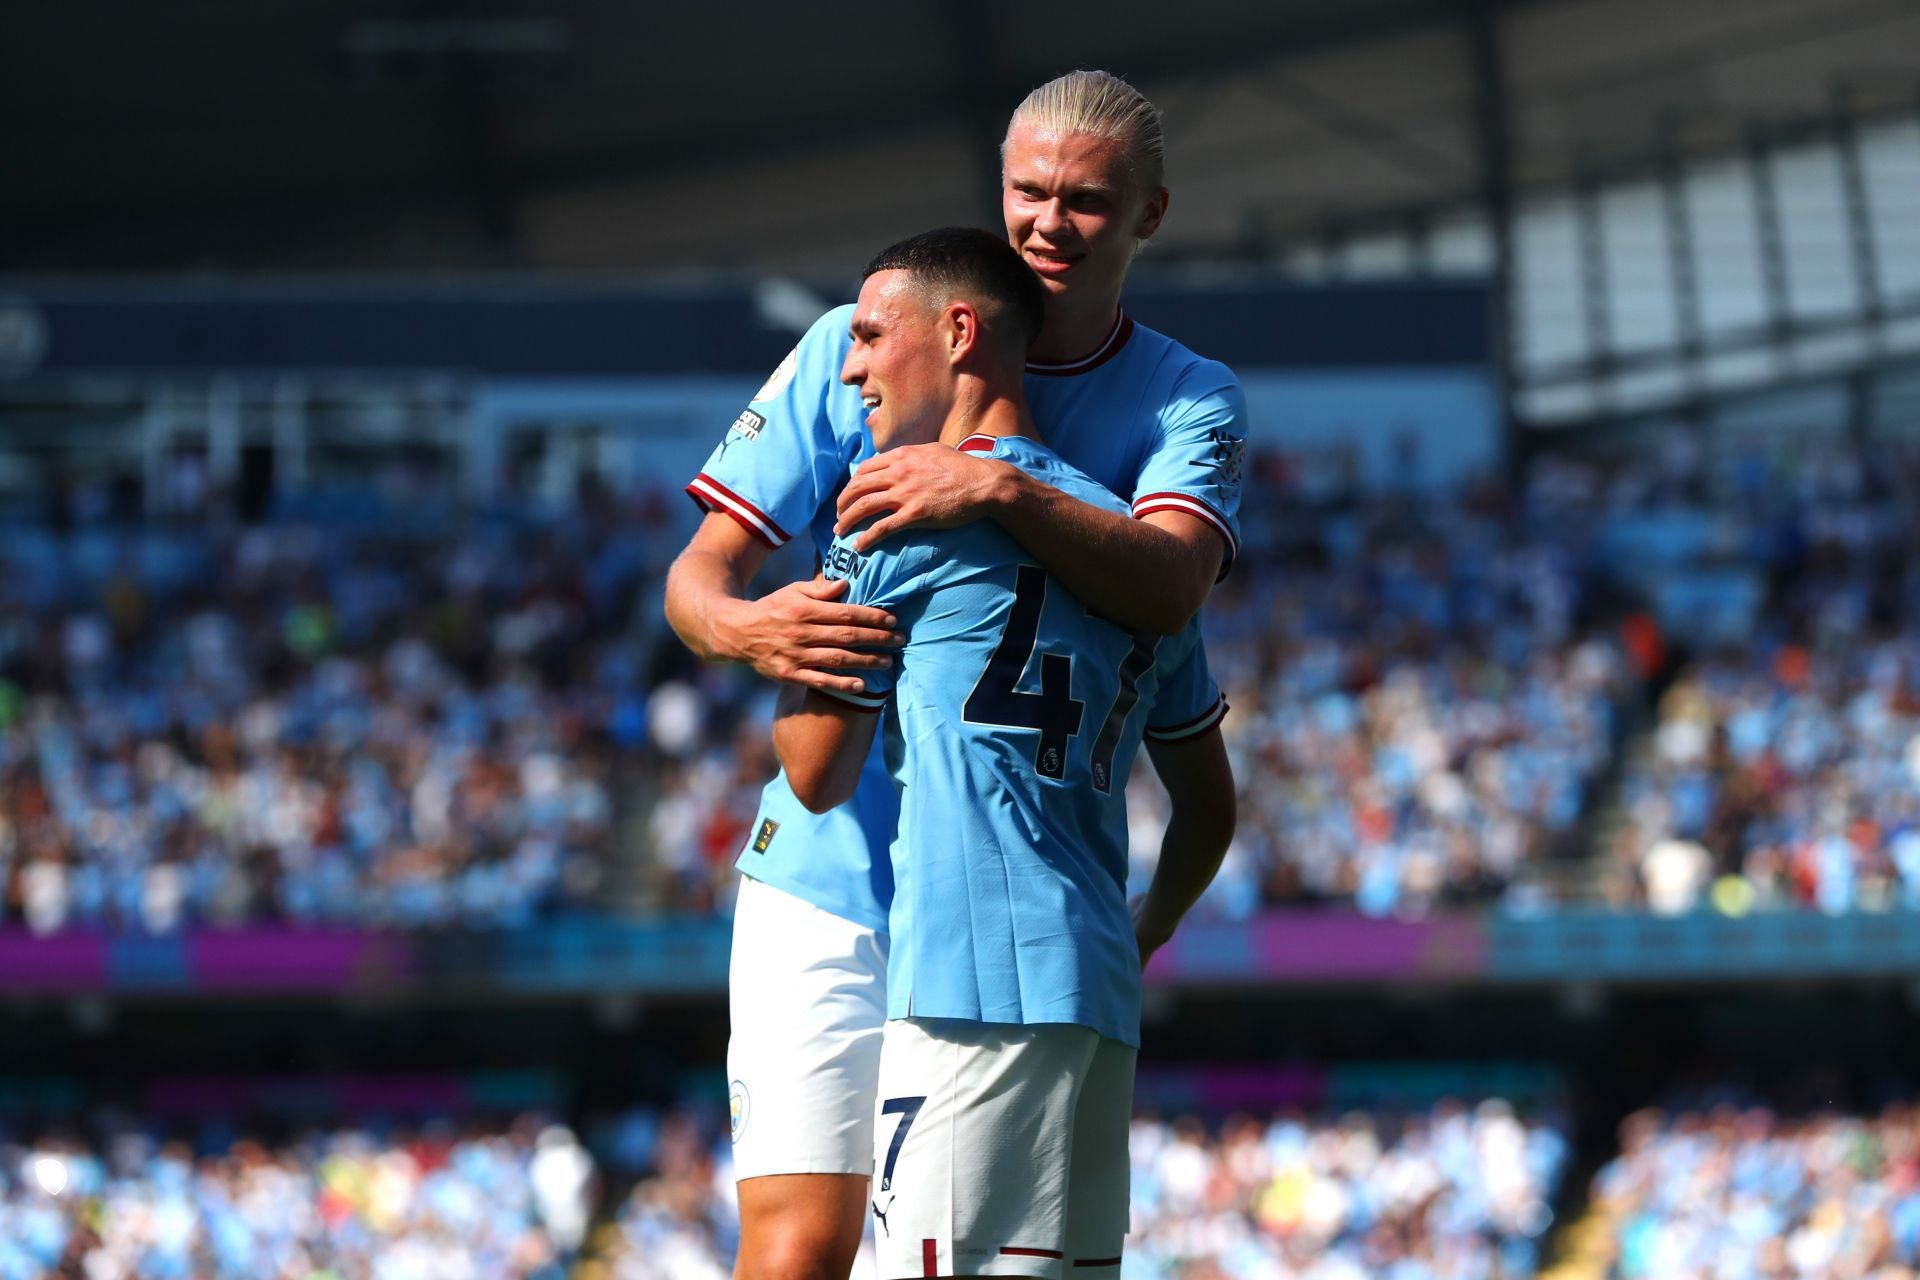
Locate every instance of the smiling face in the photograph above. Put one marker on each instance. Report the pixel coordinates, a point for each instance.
(899, 362)
(1072, 208)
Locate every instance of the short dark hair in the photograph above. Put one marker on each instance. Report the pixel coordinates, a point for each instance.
(971, 263)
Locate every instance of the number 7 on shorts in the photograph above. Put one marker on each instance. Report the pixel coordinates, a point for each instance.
(907, 1109)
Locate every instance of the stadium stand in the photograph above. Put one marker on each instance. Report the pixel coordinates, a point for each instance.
(1421, 712)
(1780, 771)
(336, 724)
(512, 1200)
(1572, 648)
(1743, 1191)
(315, 724)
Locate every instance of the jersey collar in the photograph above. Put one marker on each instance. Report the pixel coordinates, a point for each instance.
(978, 442)
(1122, 330)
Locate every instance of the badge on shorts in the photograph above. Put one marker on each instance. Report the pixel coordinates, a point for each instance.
(765, 835)
(738, 1104)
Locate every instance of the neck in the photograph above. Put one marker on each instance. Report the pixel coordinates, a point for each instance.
(986, 408)
(1074, 330)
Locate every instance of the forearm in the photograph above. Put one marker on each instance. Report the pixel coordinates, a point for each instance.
(1130, 571)
(1199, 780)
(700, 585)
(822, 744)
(1190, 857)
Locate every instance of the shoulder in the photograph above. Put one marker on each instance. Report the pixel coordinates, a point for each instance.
(1190, 374)
(816, 358)
(1043, 464)
(829, 332)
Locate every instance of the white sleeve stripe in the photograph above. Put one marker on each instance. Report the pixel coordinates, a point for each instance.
(864, 701)
(1192, 728)
(715, 498)
(1192, 507)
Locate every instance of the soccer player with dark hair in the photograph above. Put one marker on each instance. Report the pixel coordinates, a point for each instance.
(1011, 720)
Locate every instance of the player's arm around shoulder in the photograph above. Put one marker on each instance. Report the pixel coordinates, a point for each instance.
(1151, 574)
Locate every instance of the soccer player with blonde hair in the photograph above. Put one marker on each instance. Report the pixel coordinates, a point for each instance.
(1135, 411)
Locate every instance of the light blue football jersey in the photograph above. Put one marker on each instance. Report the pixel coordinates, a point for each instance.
(1012, 722)
(1142, 416)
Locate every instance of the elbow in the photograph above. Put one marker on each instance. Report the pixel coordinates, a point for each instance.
(818, 788)
(1165, 612)
(1160, 621)
(1172, 617)
(680, 615)
(1224, 803)
(1176, 604)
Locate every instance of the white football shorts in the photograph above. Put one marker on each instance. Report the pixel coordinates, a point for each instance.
(807, 995)
(1001, 1150)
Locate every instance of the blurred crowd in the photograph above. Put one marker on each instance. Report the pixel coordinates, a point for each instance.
(1450, 1193)
(680, 1218)
(1738, 1193)
(510, 1203)
(1782, 768)
(1710, 676)
(1453, 1193)
(318, 724)
(1420, 711)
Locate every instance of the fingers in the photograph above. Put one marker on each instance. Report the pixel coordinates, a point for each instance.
(848, 638)
(860, 615)
(852, 517)
(822, 588)
(837, 659)
(835, 615)
(880, 529)
(870, 477)
(845, 624)
(825, 681)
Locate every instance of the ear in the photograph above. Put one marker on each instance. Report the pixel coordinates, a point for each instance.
(1150, 216)
(960, 324)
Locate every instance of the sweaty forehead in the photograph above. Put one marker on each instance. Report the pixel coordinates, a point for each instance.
(1079, 159)
(886, 296)
(879, 292)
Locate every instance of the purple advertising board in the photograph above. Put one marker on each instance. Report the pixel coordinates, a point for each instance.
(1283, 947)
(244, 960)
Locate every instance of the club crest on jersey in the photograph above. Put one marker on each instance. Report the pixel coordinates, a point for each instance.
(777, 380)
(764, 836)
(738, 1105)
(748, 424)
(1233, 455)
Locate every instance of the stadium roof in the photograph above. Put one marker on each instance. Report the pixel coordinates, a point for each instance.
(588, 133)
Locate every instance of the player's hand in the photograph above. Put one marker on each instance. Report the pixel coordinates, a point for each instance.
(918, 484)
(1148, 933)
(800, 635)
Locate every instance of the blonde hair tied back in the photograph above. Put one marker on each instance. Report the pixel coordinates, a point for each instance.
(1104, 105)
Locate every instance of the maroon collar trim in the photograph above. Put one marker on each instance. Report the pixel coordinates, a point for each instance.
(1122, 330)
(976, 443)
